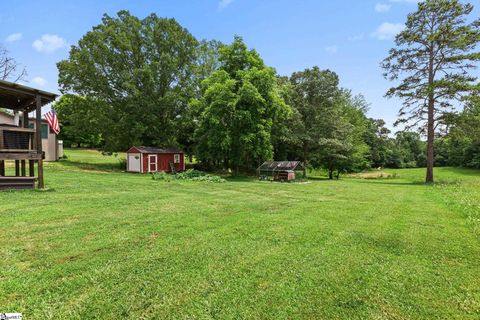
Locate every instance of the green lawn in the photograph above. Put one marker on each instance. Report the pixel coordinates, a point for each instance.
(111, 245)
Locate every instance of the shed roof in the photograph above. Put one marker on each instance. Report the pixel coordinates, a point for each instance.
(153, 150)
(281, 166)
(19, 97)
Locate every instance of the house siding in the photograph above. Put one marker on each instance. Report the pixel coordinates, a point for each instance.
(5, 118)
(49, 145)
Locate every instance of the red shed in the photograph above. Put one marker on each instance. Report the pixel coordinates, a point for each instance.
(148, 159)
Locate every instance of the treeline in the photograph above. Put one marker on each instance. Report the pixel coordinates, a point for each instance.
(148, 81)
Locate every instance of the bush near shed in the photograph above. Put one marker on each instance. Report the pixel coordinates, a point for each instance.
(190, 174)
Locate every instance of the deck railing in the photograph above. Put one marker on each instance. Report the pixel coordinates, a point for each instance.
(16, 139)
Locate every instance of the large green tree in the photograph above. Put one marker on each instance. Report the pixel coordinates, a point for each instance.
(142, 72)
(285, 129)
(239, 105)
(377, 138)
(331, 123)
(315, 97)
(432, 57)
(207, 62)
(341, 147)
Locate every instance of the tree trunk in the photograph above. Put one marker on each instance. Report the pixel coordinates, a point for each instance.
(305, 154)
(330, 174)
(431, 119)
(430, 139)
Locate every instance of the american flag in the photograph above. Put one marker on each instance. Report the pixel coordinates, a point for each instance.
(53, 121)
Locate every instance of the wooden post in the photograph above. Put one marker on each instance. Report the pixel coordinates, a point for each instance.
(25, 119)
(41, 184)
(17, 168)
(25, 125)
(23, 168)
(56, 147)
(38, 127)
(31, 168)
(2, 168)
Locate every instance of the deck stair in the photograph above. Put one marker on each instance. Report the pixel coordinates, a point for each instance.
(8, 183)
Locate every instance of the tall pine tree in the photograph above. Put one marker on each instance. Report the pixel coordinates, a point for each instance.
(433, 55)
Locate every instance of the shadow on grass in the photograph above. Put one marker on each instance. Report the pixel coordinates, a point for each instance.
(89, 166)
(317, 178)
(393, 183)
(245, 178)
(439, 182)
(464, 171)
(231, 178)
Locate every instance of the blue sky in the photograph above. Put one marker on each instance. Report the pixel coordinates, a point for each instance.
(350, 37)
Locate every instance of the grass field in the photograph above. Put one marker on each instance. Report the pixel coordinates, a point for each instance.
(110, 245)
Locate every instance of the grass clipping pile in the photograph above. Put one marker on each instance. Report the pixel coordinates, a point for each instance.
(190, 175)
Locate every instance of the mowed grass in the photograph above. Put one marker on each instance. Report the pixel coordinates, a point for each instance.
(109, 245)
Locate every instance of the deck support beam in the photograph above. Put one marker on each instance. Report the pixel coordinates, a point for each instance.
(23, 168)
(17, 168)
(38, 136)
(31, 168)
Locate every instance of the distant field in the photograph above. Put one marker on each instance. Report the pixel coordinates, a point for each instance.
(101, 243)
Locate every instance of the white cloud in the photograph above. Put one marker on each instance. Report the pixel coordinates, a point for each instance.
(387, 30)
(408, 1)
(39, 81)
(383, 7)
(49, 43)
(14, 37)
(331, 49)
(223, 4)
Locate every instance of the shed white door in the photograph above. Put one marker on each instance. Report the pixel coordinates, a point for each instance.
(134, 162)
(152, 163)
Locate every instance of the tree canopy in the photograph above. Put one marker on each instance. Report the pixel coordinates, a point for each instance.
(239, 104)
(141, 70)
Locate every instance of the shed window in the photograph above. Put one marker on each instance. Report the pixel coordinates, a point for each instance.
(44, 131)
(176, 158)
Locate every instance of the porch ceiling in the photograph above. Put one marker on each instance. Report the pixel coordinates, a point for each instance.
(14, 96)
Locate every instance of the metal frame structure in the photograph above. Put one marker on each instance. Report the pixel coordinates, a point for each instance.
(280, 170)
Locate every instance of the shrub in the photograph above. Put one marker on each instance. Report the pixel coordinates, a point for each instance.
(122, 163)
(191, 174)
(209, 178)
(163, 176)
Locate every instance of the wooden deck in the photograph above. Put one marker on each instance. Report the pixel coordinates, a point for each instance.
(19, 143)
